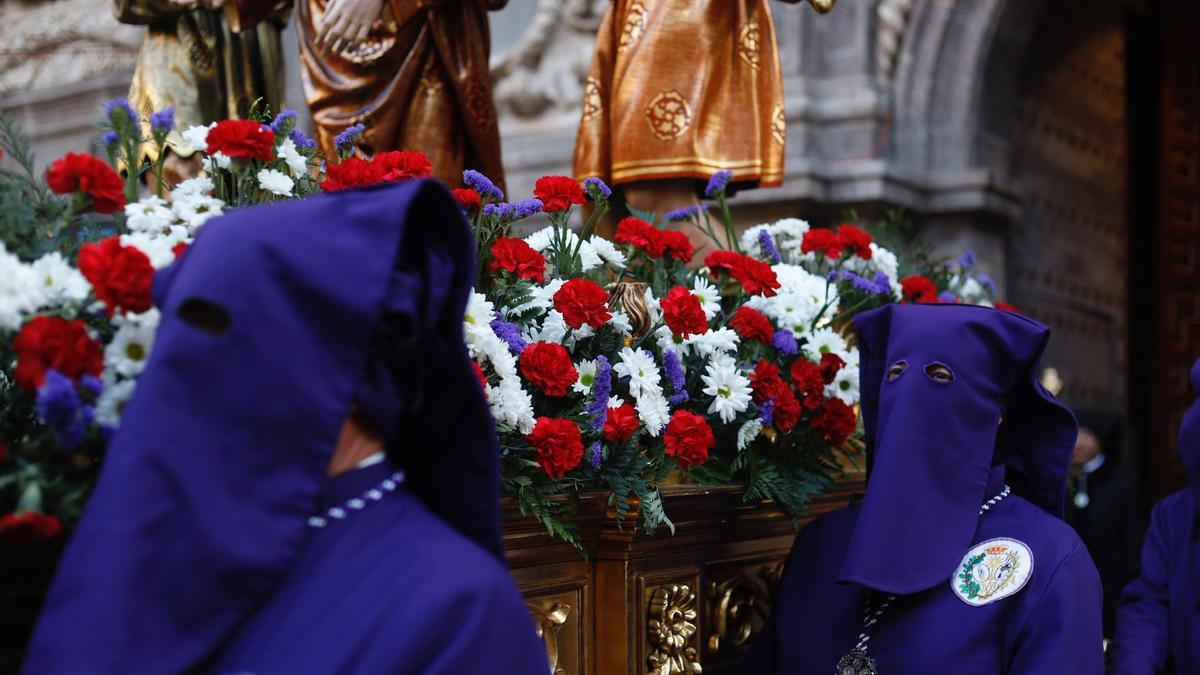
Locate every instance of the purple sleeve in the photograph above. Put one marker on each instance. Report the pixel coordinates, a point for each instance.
(1063, 634)
(1140, 644)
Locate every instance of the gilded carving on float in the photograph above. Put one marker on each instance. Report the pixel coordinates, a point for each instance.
(739, 605)
(672, 630)
(549, 621)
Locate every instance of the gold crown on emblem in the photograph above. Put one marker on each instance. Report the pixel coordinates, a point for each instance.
(995, 550)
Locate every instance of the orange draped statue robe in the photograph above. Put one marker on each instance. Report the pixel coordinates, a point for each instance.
(419, 82)
(683, 88)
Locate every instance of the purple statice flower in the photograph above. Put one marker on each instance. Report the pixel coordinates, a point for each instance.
(785, 342)
(768, 246)
(91, 386)
(883, 283)
(111, 139)
(345, 141)
(674, 370)
(163, 121)
(686, 213)
(718, 183)
(596, 188)
(119, 112)
(987, 281)
(482, 184)
(301, 140)
(966, 260)
(503, 210)
(766, 412)
(866, 285)
(526, 207)
(594, 455)
(59, 407)
(284, 122)
(946, 296)
(833, 275)
(510, 333)
(601, 390)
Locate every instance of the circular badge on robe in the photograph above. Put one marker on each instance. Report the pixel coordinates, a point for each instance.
(991, 571)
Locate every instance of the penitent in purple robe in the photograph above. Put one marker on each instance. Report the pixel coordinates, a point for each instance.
(1158, 621)
(985, 579)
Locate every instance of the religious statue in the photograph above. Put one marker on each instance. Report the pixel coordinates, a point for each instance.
(413, 72)
(194, 60)
(678, 90)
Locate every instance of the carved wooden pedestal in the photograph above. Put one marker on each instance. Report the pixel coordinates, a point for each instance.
(660, 605)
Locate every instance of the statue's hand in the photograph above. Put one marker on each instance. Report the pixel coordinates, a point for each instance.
(346, 23)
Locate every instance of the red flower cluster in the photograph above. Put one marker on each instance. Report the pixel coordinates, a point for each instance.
(468, 198)
(558, 444)
(548, 367)
(47, 342)
(809, 382)
(787, 410)
(516, 256)
(830, 365)
(81, 172)
(398, 165)
(120, 275)
(28, 528)
(835, 422)
(755, 276)
(767, 385)
(351, 172)
(483, 383)
(1007, 307)
(683, 313)
(752, 324)
(656, 242)
(832, 244)
(558, 193)
(385, 167)
(582, 301)
(242, 139)
(918, 288)
(688, 438)
(620, 423)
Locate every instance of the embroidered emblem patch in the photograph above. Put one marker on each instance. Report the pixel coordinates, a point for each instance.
(991, 571)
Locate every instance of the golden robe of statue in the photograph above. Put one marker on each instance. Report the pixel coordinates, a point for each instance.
(681, 89)
(191, 60)
(419, 81)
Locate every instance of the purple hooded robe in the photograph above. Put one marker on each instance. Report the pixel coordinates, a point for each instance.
(196, 554)
(936, 380)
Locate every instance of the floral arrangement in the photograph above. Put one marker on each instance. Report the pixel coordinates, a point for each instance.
(616, 365)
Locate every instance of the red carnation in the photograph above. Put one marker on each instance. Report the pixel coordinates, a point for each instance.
(120, 275)
(675, 244)
(641, 234)
(81, 172)
(351, 172)
(856, 240)
(516, 256)
(919, 288)
(808, 382)
(683, 313)
(825, 242)
(582, 301)
(620, 423)
(483, 383)
(47, 342)
(558, 443)
(242, 139)
(830, 365)
(558, 193)
(752, 324)
(1007, 307)
(754, 275)
(468, 198)
(765, 381)
(787, 410)
(178, 249)
(688, 438)
(548, 367)
(28, 528)
(398, 165)
(835, 422)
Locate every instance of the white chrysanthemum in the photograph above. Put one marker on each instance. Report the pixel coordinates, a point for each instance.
(615, 402)
(608, 252)
(217, 160)
(824, 341)
(668, 341)
(545, 241)
(540, 240)
(789, 229)
(276, 182)
(130, 347)
(885, 261)
(587, 375)
(620, 322)
(796, 279)
(728, 387)
(112, 402)
(60, 281)
(21, 290)
(511, 404)
(749, 240)
(589, 258)
(197, 137)
(552, 329)
(149, 214)
(708, 295)
(641, 370)
(844, 385)
(713, 342)
(748, 432)
(652, 306)
(200, 185)
(193, 210)
(478, 317)
(654, 411)
(159, 249)
(297, 163)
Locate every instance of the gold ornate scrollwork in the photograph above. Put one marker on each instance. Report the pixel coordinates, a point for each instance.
(549, 622)
(671, 629)
(740, 604)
